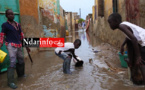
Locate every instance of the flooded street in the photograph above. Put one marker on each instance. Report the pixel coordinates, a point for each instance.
(101, 70)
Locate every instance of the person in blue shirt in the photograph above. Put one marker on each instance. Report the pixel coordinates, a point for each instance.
(83, 25)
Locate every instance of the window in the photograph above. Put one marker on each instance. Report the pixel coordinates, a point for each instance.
(115, 6)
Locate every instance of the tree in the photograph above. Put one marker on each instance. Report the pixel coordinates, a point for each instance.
(81, 20)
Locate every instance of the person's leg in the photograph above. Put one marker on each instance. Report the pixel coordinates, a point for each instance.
(131, 58)
(61, 58)
(10, 73)
(142, 68)
(20, 66)
(66, 63)
(63, 62)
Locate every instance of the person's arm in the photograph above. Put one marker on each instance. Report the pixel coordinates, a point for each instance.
(22, 37)
(73, 53)
(2, 35)
(134, 41)
(21, 32)
(122, 46)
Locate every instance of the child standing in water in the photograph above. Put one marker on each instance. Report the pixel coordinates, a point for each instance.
(12, 34)
(135, 40)
(66, 53)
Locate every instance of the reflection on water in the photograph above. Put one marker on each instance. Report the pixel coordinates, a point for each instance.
(46, 73)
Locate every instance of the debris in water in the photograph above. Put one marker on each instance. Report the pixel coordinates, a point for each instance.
(96, 51)
(90, 60)
(117, 70)
(121, 72)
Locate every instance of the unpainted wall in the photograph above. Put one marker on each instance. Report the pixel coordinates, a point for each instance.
(29, 19)
(68, 16)
(62, 22)
(135, 12)
(101, 27)
(50, 11)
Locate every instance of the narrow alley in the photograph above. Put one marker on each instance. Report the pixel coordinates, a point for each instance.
(109, 35)
(46, 71)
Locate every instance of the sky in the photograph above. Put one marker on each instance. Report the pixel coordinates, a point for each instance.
(75, 5)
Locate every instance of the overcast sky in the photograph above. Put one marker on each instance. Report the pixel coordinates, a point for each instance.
(74, 5)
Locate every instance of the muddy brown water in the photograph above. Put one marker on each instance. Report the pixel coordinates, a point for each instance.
(46, 72)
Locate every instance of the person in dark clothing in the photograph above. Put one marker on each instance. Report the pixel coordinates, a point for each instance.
(12, 35)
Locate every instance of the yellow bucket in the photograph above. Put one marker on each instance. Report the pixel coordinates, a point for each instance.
(67, 33)
(2, 56)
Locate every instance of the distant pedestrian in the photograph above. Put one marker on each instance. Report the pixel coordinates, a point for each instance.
(135, 40)
(66, 53)
(12, 34)
(83, 25)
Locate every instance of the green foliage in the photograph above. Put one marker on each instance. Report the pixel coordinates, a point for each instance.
(81, 20)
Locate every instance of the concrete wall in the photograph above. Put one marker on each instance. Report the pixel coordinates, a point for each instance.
(101, 8)
(101, 27)
(141, 13)
(96, 9)
(135, 12)
(130, 10)
(62, 17)
(62, 22)
(77, 17)
(49, 10)
(74, 15)
(93, 13)
(68, 16)
(73, 21)
(29, 19)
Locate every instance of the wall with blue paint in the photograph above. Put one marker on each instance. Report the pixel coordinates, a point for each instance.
(50, 17)
(49, 32)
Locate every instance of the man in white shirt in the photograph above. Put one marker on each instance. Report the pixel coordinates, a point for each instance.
(66, 53)
(135, 40)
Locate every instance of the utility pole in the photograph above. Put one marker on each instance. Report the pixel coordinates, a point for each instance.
(80, 12)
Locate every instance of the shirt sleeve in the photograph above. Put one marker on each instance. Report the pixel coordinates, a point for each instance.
(2, 34)
(21, 32)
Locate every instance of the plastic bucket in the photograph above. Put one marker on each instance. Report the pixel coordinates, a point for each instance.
(122, 59)
(67, 33)
(2, 56)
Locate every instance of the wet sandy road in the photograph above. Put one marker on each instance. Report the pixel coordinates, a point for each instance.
(46, 72)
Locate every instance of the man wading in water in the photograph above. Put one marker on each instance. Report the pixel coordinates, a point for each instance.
(135, 40)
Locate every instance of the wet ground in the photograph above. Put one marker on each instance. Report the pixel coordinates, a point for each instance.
(101, 70)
